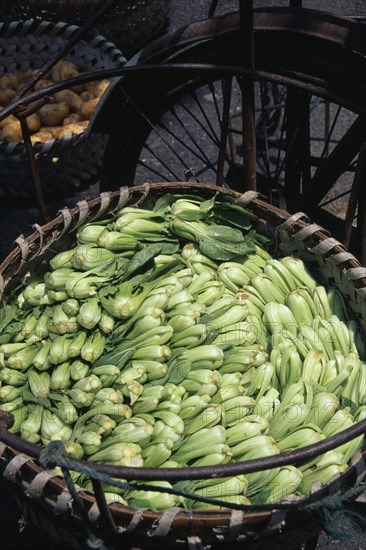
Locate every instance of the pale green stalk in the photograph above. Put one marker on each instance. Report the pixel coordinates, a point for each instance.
(321, 474)
(247, 427)
(93, 347)
(10, 393)
(39, 383)
(286, 482)
(61, 377)
(12, 377)
(279, 275)
(120, 454)
(287, 419)
(267, 405)
(306, 434)
(53, 428)
(32, 425)
(34, 293)
(106, 323)
(152, 499)
(299, 271)
(89, 313)
(59, 351)
(23, 359)
(78, 370)
(76, 344)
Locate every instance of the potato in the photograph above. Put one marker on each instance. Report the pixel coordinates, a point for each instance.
(6, 95)
(9, 80)
(11, 128)
(71, 119)
(64, 70)
(59, 132)
(34, 122)
(71, 98)
(102, 86)
(25, 75)
(87, 108)
(43, 83)
(54, 113)
(86, 95)
(54, 132)
(91, 88)
(75, 128)
(8, 120)
(42, 136)
(11, 132)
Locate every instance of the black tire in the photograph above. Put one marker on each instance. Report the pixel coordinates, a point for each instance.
(308, 54)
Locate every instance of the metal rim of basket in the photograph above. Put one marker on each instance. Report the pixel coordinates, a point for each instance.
(109, 56)
(295, 234)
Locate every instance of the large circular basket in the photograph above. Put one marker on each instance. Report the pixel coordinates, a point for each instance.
(73, 161)
(43, 495)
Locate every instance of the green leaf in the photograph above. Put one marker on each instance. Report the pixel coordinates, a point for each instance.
(9, 324)
(225, 251)
(30, 398)
(167, 200)
(224, 233)
(163, 203)
(207, 206)
(10, 331)
(140, 259)
(213, 333)
(118, 358)
(57, 397)
(171, 247)
(109, 290)
(214, 250)
(191, 216)
(155, 275)
(178, 371)
(228, 205)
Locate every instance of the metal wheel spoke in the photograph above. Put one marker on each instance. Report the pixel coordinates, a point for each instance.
(216, 105)
(207, 119)
(287, 151)
(334, 165)
(265, 154)
(333, 199)
(214, 139)
(161, 176)
(154, 128)
(202, 156)
(148, 148)
(227, 89)
(278, 163)
(330, 133)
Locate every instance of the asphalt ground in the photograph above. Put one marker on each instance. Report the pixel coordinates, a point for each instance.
(18, 217)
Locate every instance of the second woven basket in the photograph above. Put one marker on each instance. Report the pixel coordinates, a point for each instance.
(68, 163)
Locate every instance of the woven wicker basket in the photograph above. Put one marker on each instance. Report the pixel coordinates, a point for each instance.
(129, 24)
(43, 495)
(64, 164)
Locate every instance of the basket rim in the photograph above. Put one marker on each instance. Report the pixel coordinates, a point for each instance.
(107, 203)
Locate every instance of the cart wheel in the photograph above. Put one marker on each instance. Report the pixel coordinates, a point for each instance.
(310, 100)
